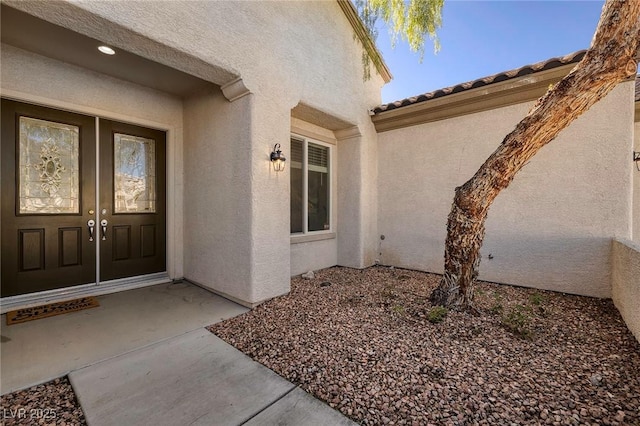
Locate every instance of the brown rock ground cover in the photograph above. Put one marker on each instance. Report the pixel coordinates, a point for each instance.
(368, 343)
(51, 403)
(362, 341)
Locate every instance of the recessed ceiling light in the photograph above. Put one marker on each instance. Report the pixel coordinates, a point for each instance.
(106, 50)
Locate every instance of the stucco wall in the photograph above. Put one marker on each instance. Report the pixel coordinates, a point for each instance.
(32, 78)
(311, 256)
(286, 53)
(358, 161)
(625, 288)
(636, 185)
(550, 229)
(217, 197)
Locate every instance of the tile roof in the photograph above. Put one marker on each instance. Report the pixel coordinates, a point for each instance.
(508, 75)
(638, 88)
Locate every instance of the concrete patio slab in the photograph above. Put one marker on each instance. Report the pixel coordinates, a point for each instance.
(37, 351)
(194, 379)
(299, 408)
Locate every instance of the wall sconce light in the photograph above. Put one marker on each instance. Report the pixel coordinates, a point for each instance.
(277, 159)
(636, 158)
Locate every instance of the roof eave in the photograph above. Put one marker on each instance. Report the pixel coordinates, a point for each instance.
(495, 95)
(363, 35)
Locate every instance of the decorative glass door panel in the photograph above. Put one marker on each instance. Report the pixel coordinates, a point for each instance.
(49, 167)
(48, 188)
(134, 174)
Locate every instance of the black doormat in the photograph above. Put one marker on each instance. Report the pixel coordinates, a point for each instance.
(52, 309)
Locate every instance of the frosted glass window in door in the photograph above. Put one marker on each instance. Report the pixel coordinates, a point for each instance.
(134, 170)
(48, 163)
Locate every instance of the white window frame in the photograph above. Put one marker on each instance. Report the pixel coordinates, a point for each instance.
(329, 233)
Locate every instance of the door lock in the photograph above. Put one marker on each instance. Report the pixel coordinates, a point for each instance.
(103, 224)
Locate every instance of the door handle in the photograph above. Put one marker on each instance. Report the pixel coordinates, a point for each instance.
(103, 224)
(91, 223)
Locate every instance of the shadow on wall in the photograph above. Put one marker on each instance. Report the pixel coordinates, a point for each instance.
(575, 265)
(625, 269)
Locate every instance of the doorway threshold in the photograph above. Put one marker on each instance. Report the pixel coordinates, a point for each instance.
(30, 300)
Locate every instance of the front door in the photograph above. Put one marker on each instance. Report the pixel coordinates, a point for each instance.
(52, 225)
(132, 200)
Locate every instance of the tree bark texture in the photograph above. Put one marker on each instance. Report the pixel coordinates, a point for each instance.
(610, 60)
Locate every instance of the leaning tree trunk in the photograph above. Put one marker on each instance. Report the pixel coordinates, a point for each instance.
(610, 60)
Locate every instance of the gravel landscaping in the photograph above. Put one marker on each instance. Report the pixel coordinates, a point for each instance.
(369, 344)
(51, 403)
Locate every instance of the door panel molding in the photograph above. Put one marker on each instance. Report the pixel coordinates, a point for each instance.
(70, 240)
(31, 249)
(121, 235)
(148, 240)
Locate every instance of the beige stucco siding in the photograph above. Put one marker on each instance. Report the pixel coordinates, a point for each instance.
(550, 229)
(636, 184)
(287, 51)
(311, 256)
(625, 259)
(218, 196)
(90, 91)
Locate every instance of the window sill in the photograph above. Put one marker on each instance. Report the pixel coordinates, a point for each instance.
(297, 239)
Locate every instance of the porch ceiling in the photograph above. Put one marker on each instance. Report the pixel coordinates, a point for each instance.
(27, 32)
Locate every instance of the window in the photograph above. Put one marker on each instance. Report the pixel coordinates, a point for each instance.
(310, 186)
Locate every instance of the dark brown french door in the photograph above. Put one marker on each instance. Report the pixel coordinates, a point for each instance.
(132, 200)
(52, 226)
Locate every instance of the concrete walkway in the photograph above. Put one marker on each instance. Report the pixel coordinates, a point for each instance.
(38, 351)
(193, 379)
(144, 358)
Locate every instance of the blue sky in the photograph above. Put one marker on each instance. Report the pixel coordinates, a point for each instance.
(481, 38)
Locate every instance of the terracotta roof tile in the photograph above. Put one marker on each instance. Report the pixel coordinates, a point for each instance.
(484, 81)
(638, 88)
